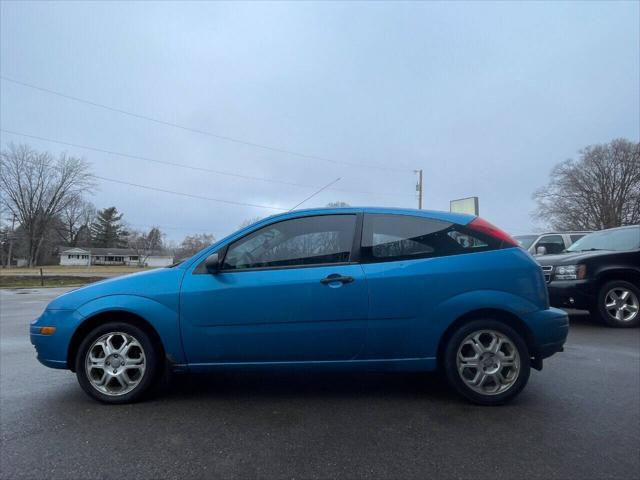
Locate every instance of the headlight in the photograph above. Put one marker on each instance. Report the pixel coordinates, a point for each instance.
(570, 272)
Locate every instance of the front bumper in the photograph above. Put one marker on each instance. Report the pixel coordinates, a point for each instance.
(576, 294)
(52, 349)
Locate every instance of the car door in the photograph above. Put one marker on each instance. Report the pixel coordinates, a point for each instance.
(286, 292)
(412, 264)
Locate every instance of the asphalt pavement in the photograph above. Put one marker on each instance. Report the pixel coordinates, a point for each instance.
(578, 418)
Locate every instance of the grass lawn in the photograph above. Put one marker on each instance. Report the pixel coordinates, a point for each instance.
(33, 281)
(70, 270)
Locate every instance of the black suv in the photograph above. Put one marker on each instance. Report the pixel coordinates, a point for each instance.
(599, 273)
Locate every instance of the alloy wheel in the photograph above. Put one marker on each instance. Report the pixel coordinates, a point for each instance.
(115, 363)
(488, 362)
(621, 304)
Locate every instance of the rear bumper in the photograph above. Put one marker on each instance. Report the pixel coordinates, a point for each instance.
(571, 294)
(549, 329)
(548, 349)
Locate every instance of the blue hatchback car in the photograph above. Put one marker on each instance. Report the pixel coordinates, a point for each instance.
(372, 288)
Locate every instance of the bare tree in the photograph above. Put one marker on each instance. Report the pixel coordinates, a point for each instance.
(144, 244)
(75, 218)
(249, 221)
(139, 243)
(600, 190)
(36, 187)
(192, 244)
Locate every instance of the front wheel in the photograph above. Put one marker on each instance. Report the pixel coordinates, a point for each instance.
(487, 362)
(116, 363)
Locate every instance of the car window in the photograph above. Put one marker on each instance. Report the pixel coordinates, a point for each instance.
(467, 241)
(525, 241)
(552, 243)
(297, 242)
(396, 237)
(576, 236)
(620, 240)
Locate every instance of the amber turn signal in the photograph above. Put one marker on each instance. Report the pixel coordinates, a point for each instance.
(47, 330)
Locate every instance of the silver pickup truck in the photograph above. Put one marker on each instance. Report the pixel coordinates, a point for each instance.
(548, 243)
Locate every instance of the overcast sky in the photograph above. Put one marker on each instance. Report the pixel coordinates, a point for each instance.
(485, 97)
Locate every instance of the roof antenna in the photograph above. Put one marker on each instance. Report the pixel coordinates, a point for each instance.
(314, 194)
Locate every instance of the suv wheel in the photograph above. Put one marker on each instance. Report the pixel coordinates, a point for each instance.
(116, 363)
(619, 304)
(487, 362)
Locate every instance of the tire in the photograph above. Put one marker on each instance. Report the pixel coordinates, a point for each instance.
(619, 304)
(506, 371)
(104, 376)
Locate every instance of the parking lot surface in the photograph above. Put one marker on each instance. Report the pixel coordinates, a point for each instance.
(578, 418)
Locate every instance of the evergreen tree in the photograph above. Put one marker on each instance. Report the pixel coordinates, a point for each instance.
(107, 230)
(154, 239)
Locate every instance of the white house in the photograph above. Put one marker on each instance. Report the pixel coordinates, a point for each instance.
(113, 256)
(74, 256)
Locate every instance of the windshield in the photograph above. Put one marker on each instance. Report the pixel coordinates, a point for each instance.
(525, 241)
(618, 240)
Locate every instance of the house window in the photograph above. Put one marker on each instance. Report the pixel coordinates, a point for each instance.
(133, 258)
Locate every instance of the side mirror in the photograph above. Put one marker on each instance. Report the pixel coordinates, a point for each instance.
(212, 263)
(541, 251)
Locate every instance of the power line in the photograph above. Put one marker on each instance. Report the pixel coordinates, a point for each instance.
(148, 159)
(196, 130)
(189, 195)
(193, 167)
(164, 228)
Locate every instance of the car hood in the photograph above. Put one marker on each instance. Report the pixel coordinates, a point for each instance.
(161, 285)
(571, 258)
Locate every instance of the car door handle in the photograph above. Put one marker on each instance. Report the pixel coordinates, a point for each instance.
(336, 278)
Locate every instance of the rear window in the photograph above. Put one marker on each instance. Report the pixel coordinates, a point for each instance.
(620, 240)
(576, 236)
(402, 237)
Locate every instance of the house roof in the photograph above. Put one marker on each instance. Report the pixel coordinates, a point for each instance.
(73, 250)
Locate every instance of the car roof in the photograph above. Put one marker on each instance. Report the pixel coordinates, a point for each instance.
(460, 218)
(624, 227)
(552, 233)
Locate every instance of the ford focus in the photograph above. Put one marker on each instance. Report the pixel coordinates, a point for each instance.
(349, 288)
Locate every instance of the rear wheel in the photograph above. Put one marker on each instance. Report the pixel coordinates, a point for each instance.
(487, 362)
(116, 363)
(619, 304)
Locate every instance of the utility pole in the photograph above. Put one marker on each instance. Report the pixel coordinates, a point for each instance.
(13, 228)
(419, 188)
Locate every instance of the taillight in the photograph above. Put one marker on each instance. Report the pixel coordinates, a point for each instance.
(482, 226)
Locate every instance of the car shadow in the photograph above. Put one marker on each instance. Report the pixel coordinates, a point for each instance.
(310, 383)
(584, 318)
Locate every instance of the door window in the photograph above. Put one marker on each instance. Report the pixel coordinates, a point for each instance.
(397, 237)
(315, 240)
(552, 243)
